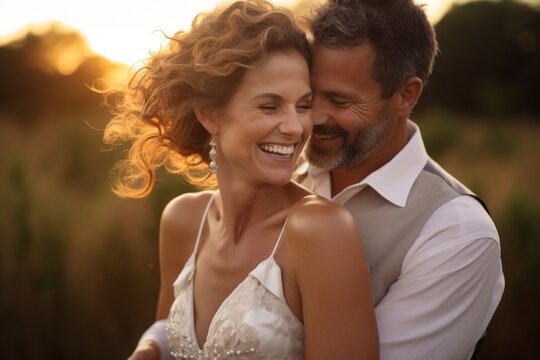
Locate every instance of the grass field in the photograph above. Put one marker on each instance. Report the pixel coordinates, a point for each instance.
(79, 271)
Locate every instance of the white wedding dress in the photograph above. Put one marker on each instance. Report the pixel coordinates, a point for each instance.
(253, 322)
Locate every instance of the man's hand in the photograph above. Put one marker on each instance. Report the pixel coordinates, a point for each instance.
(147, 350)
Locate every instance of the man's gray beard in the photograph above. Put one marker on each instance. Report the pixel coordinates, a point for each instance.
(367, 140)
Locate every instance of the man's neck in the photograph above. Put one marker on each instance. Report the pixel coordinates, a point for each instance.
(343, 178)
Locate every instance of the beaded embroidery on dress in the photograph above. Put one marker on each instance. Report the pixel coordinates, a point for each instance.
(253, 322)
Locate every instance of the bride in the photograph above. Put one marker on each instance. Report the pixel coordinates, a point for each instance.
(259, 267)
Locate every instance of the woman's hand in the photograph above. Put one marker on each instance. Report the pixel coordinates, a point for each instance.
(148, 350)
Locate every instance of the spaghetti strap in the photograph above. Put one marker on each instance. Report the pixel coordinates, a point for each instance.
(201, 225)
(279, 238)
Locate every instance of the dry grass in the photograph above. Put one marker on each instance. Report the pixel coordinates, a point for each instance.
(79, 266)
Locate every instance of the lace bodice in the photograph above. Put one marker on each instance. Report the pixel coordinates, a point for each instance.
(253, 322)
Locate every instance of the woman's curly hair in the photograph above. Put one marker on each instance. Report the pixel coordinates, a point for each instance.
(201, 67)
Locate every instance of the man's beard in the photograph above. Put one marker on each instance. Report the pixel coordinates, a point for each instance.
(364, 143)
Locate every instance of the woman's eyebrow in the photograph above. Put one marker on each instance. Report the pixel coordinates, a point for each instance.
(268, 95)
(279, 97)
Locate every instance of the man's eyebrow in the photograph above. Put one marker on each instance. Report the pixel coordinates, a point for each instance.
(339, 95)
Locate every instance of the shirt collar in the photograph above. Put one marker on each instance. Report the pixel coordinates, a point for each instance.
(405, 167)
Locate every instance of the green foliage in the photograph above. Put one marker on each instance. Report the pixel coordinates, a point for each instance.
(500, 163)
(79, 266)
(79, 275)
(520, 231)
(440, 133)
(489, 60)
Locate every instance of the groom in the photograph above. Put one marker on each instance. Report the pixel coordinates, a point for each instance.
(432, 249)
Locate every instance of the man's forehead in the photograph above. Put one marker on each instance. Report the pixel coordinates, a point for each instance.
(342, 70)
(363, 51)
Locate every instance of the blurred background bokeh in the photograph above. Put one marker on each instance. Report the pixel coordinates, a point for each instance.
(79, 267)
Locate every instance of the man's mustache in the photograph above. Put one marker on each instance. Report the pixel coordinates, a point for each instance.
(329, 130)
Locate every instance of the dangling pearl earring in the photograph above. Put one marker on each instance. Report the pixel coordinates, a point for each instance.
(213, 167)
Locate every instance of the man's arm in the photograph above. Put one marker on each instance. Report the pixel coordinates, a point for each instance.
(450, 285)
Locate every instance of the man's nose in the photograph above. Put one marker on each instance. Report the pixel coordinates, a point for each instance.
(318, 114)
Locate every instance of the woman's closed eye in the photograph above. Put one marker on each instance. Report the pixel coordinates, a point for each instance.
(269, 108)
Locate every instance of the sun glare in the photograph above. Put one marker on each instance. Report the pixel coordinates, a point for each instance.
(124, 31)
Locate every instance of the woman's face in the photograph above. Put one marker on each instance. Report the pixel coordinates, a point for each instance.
(264, 126)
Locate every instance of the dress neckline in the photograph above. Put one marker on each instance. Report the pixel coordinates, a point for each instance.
(193, 259)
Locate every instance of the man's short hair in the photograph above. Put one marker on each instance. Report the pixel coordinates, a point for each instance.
(399, 31)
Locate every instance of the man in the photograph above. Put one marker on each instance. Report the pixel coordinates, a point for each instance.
(432, 249)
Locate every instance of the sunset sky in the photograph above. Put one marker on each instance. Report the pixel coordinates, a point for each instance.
(123, 30)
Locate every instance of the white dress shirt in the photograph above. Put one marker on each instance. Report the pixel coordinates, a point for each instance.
(451, 279)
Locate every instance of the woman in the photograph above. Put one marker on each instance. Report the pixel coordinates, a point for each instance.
(259, 268)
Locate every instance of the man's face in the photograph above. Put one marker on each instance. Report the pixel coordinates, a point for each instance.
(351, 119)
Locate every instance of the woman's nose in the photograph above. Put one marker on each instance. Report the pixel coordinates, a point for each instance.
(290, 124)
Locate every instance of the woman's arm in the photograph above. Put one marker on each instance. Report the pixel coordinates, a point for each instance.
(333, 280)
(178, 227)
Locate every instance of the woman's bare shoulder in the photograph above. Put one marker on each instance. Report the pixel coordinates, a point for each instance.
(181, 217)
(316, 221)
(331, 277)
(178, 231)
(183, 209)
(315, 211)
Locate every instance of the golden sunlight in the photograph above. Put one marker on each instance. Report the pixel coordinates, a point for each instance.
(124, 31)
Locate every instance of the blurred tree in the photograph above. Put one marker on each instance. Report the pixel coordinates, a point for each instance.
(490, 60)
(46, 76)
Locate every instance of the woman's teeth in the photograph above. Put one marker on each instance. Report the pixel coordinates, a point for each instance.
(278, 149)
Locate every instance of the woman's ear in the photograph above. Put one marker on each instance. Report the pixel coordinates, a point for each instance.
(206, 118)
(407, 95)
